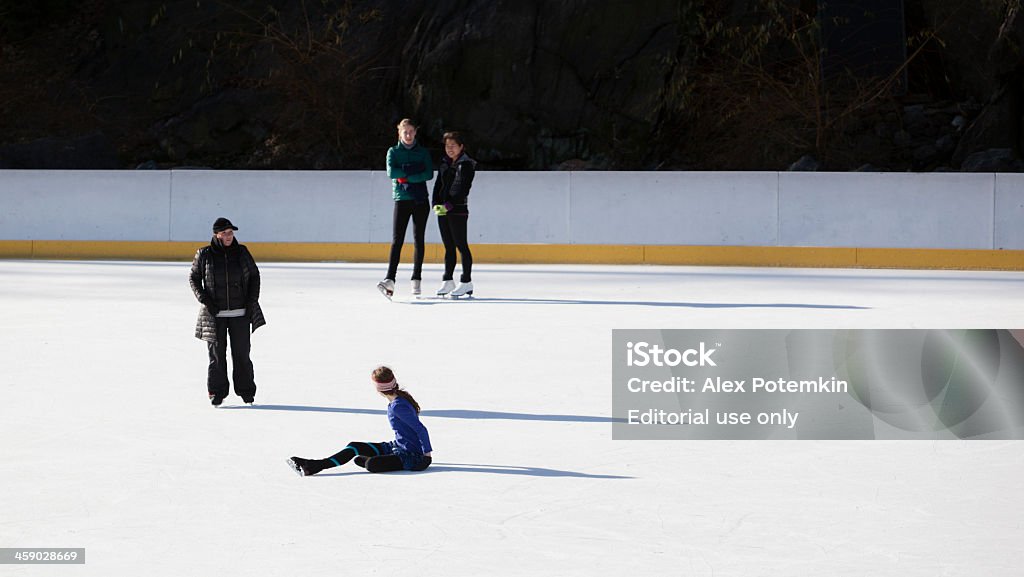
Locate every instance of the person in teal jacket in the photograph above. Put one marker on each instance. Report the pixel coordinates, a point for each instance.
(409, 168)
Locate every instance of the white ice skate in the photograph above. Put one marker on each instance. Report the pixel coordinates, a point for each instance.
(416, 288)
(465, 289)
(386, 288)
(447, 287)
(294, 466)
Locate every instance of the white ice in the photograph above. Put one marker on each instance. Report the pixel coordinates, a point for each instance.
(109, 443)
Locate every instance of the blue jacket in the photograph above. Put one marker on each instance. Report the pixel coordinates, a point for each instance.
(410, 434)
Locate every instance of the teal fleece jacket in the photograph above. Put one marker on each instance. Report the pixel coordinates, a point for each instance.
(412, 164)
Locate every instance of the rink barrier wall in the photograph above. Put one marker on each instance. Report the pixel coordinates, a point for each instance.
(939, 220)
(817, 257)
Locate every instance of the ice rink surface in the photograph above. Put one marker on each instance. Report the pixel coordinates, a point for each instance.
(110, 444)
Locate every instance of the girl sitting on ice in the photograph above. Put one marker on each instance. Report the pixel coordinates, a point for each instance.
(409, 451)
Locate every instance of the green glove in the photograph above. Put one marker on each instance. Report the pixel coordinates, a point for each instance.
(440, 210)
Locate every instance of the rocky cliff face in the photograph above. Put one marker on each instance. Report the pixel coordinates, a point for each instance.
(539, 83)
(534, 85)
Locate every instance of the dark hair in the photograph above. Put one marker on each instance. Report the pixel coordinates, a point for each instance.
(384, 374)
(405, 395)
(456, 136)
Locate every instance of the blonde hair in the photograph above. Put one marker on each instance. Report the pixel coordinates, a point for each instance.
(407, 122)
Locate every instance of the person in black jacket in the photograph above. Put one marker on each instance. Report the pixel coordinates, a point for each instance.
(226, 282)
(451, 205)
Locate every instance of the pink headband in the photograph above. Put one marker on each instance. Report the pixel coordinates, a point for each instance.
(386, 387)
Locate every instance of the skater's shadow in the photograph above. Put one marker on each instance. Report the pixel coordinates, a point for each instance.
(682, 272)
(441, 413)
(434, 301)
(493, 470)
(514, 470)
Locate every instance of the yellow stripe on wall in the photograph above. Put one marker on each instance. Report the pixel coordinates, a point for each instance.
(941, 259)
(122, 250)
(15, 249)
(751, 256)
(817, 257)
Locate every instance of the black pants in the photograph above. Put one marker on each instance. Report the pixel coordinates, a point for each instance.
(389, 463)
(419, 211)
(454, 236)
(374, 457)
(235, 329)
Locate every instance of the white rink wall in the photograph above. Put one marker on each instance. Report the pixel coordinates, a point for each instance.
(865, 210)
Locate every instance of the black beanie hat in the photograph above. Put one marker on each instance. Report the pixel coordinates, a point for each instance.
(222, 224)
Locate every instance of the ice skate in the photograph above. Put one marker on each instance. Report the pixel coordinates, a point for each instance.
(447, 287)
(416, 288)
(304, 467)
(386, 288)
(465, 289)
(293, 464)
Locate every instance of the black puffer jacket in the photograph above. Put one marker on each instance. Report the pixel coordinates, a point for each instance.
(213, 262)
(454, 179)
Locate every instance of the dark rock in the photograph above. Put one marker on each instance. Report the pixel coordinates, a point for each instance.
(807, 163)
(914, 118)
(902, 139)
(543, 82)
(945, 145)
(882, 130)
(91, 151)
(990, 130)
(1004, 54)
(924, 155)
(216, 126)
(580, 164)
(867, 145)
(995, 160)
(967, 36)
(534, 84)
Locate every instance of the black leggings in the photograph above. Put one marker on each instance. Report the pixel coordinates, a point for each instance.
(454, 236)
(369, 456)
(419, 211)
(373, 457)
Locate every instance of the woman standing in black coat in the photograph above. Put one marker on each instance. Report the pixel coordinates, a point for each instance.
(226, 282)
(451, 205)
